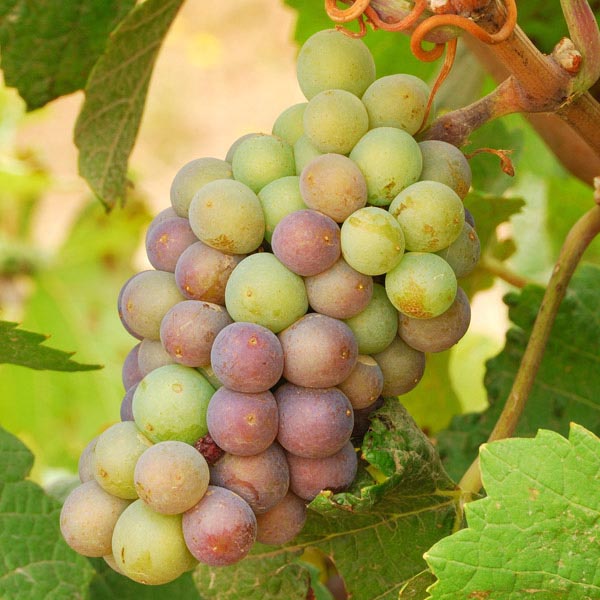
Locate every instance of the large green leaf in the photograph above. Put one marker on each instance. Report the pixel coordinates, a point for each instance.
(50, 46)
(23, 348)
(36, 563)
(375, 533)
(115, 95)
(566, 387)
(536, 534)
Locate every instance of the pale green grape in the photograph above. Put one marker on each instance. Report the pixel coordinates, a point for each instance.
(402, 367)
(445, 163)
(236, 144)
(278, 199)
(372, 241)
(422, 286)
(304, 152)
(331, 60)
(390, 160)
(398, 100)
(227, 215)
(463, 253)
(289, 124)
(261, 290)
(431, 215)
(335, 120)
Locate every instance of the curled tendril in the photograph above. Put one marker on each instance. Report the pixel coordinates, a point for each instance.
(345, 15)
(505, 162)
(405, 23)
(354, 34)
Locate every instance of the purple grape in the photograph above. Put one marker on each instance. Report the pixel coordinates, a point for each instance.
(309, 476)
(247, 357)
(402, 367)
(152, 355)
(363, 386)
(131, 373)
(220, 529)
(262, 480)
(318, 351)
(242, 424)
(166, 240)
(362, 419)
(126, 411)
(313, 422)
(189, 328)
(202, 272)
(283, 522)
(307, 242)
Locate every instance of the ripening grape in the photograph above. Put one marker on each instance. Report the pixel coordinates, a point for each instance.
(126, 409)
(261, 159)
(431, 215)
(319, 351)
(247, 357)
(166, 240)
(150, 547)
(364, 384)
(85, 467)
(283, 522)
(438, 333)
(313, 422)
(398, 100)
(390, 160)
(130, 373)
(208, 373)
(170, 477)
(331, 60)
(445, 163)
(151, 355)
(170, 403)
(220, 529)
(372, 241)
(289, 124)
(240, 423)
(307, 242)
(423, 285)
(304, 152)
(335, 120)
(253, 286)
(236, 145)
(226, 214)
(402, 367)
(88, 517)
(278, 199)
(192, 176)
(333, 185)
(262, 479)
(463, 253)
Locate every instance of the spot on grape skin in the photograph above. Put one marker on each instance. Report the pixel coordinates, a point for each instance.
(177, 387)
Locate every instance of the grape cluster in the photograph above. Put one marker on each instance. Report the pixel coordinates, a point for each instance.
(295, 284)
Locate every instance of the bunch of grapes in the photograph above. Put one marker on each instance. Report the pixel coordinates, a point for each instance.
(296, 283)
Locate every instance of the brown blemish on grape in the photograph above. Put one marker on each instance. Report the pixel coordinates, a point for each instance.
(178, 353)
(348, 413)
(177, 388)
(345, 354)
(249, 293)
(122, 554)
(251, 419)
(221, 242)
(164, 239)
(252, 341)
(103, 473)
(149, 427)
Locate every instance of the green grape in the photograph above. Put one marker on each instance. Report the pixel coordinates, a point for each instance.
(376, 326)
(445, 163)
(236, 145)
(278, 199)
(289, 124)
(463, 253)
(170, 403)
(227, 215)
(331, 60)
(402, 367)
(192, 176)
(261, 159)
(431, 215)
(390, 160)
(85, 466)
(149, 547)
(372, 241)
(422, 286)
(261, 290)
(117, 450)
(304, 152)
(398, 100)
(335, 120)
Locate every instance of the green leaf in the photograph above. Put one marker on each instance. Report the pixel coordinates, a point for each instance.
(50, 46)
(536, 534)
(566, 387)
(115, 95)
(375, 533)
(23, 348)
(36, 562)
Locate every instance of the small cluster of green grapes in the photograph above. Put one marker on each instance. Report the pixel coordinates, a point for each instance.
(295, 284)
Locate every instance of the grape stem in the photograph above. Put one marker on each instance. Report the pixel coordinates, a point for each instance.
(498, 269)
(576, 242)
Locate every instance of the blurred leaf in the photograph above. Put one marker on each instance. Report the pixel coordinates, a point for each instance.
(50, 46)
(23, 348)
(566, 387)
(115, 95)
(397, 519)
(536, 534)
(36, 561)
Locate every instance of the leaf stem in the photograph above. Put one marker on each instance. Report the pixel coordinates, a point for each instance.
(498, 268)
(578, 239)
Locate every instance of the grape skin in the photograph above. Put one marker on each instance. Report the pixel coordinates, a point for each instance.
(152, 355)
(126, 409)
(278, 199)
(85, 466)
(304, 152)
(282, 523)
(166, 240)
(364, 384)
(445, 163)
(288, 125)
(131, 373)
(463, 253)
(402, 367)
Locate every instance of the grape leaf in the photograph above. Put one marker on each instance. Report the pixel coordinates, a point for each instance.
(35, 561)
(20, 347)
(375, 533)
(536, 533)
(114, 98)
(566, 387)
(50, 46)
